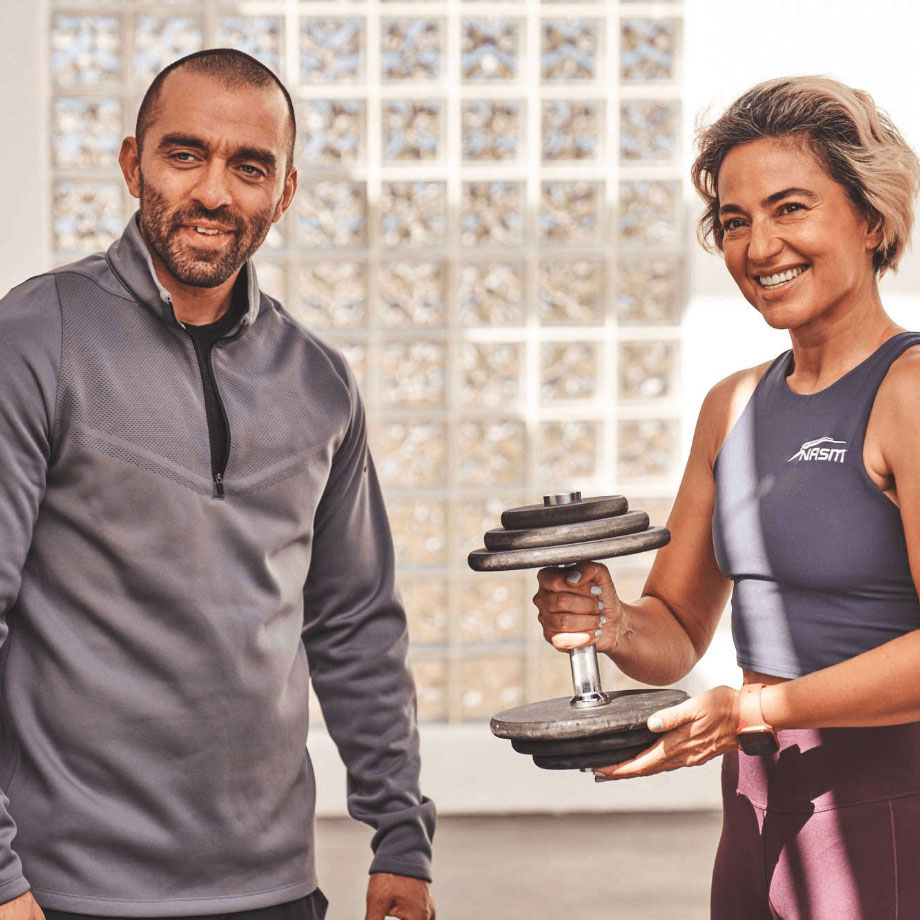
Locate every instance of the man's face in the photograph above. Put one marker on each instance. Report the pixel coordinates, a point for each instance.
(212, 176)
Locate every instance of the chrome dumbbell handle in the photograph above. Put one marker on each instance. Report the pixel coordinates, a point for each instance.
(586, 678)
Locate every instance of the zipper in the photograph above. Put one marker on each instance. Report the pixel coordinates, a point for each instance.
(219, 458)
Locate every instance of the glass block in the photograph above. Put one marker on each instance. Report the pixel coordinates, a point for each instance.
(571, 130)
(648, 49)
(570, 212)
(493, 609)
(570, 49)
(411, 130)
(648, 447)
(85, 50)
(649, 213)
(410, 49)
(647, 370)
(491, 373)
(425, 600)
(649, 291)
(413, 373)
(491, 294)
(490, 685)
(412, 453)
(331, 50)
(474, 516)
(87, 216)
(355, 353)
(316, 714)
(418, 530)
(567, 452)
(431, 690)
(333, 294)
(554, 674)
(491, 50)
(86, 133)
(331, 132)
(568, 370)
(492, 214)
(258, 36)
(331, 214)
(413, 213)
(570, 292)
(272, 279)
(412, 293)
(492, 131)
(649, 130)
(275, 237)
(160, 40)
(491, 452)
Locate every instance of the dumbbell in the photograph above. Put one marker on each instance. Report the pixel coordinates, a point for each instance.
(593, 728)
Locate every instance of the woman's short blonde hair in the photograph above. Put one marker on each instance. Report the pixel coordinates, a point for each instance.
(854, 140)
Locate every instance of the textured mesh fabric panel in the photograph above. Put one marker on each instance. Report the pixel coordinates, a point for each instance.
(131, 388)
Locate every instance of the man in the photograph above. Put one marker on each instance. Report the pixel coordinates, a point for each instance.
(189, 516)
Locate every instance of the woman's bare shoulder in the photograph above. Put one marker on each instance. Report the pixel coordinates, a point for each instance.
(724, 404)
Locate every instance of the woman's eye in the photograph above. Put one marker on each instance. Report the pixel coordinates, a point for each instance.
(732, 224)
(790, 207)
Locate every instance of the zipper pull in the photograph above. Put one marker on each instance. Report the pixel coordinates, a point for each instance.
(219, 485)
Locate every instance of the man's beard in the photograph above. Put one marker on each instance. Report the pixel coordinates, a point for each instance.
(188, 264)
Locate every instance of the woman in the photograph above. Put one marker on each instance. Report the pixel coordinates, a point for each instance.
(801, 496)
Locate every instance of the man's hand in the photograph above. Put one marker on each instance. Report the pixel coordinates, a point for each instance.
(393, 896)
(25, 907)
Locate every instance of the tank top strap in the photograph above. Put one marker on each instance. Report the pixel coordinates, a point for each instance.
(860, 386)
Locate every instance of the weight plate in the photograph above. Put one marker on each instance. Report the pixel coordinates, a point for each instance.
(579, 532)
(588, 509)
(580, 761)
(554, 719)
(612, 742)
(486, 560)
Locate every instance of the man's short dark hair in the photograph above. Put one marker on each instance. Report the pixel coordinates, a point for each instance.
(233, 68)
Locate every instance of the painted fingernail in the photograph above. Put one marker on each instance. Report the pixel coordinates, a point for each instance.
(603, 620)
(598, 633)
(600, 605)
(600, 778)
(596, 589)
(573, 577)
(655, 724)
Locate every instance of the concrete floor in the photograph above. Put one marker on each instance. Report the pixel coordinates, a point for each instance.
(623, 866)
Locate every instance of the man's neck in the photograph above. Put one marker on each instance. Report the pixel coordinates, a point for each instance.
(197, 306)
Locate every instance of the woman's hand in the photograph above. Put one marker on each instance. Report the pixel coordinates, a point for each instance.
(692, 732)
(579, 606)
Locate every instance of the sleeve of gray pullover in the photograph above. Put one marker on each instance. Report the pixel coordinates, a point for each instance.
(356, 643)
(30, 353)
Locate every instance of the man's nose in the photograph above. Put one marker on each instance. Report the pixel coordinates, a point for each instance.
(213, 188)
(764, 242)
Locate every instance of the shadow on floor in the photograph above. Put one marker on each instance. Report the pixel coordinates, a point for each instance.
(623, 866)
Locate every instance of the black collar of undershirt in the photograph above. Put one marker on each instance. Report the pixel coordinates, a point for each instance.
(209, 333)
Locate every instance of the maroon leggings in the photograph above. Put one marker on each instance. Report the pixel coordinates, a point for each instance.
(826, 829)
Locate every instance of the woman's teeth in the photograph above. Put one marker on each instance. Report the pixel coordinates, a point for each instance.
(769, 281)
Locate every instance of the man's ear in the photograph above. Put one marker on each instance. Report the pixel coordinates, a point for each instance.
(287, 195)
(129, 159)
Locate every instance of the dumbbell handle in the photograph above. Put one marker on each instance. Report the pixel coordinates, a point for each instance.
(586, 678)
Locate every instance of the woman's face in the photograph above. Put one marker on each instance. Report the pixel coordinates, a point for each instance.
(794, 243)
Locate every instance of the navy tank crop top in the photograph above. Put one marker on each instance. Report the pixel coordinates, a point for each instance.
(815, 550)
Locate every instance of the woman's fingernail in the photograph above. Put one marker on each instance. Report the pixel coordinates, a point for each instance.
(600, 778)
(603, 620)
(655, 724)
(573, 577)
(600, 605)
(596, 589)
(598, 633)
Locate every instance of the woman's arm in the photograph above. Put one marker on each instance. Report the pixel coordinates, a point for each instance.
(658, 638)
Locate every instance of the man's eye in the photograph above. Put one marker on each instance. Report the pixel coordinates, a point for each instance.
(252, 171)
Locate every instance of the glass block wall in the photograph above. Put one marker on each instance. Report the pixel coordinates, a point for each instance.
(488, 224)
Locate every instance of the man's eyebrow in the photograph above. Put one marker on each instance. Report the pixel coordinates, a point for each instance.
(181, 140)
(265, 157)
(773, 199)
